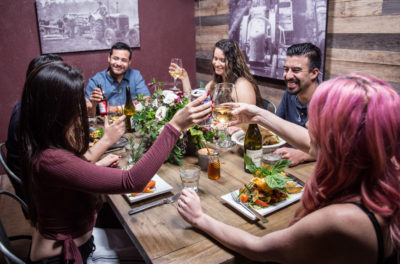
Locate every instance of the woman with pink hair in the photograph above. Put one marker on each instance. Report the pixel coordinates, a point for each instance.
(350, 209)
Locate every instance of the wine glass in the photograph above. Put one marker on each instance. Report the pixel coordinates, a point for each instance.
(115, 106)
(224, 93)
(177, 72)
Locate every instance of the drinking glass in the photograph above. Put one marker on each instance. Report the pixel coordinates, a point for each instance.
(176, 73)
(224, 93)
(214, 166)
(190, 175)
(115, 107)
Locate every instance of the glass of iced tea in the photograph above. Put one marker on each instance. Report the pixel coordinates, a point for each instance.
(214, 166)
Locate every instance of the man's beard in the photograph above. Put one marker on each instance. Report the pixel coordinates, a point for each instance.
(113, 73)
(296, 81)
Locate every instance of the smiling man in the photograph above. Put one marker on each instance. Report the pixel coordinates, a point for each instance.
(301, 70)
(115, 78)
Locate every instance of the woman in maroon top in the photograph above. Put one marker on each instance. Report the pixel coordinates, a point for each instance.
(61, 186)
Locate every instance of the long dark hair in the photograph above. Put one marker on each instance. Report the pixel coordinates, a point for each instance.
(53, 115)
(236, 67)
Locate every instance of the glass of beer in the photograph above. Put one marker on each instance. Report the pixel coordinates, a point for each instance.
(214, 166)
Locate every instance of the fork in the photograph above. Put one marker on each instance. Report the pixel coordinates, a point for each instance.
(248, 208)
(162, 201)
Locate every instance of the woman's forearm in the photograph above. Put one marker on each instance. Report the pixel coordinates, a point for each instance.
(187, 88)
(94, 153)
(294, 134)
(233, 238)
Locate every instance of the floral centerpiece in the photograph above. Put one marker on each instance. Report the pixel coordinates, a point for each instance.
(150, 118)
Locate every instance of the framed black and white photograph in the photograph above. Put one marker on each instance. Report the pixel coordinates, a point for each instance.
(264, 30)
(81, 25)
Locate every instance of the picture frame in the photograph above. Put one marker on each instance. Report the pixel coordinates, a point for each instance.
(264, 29)
(84, 25)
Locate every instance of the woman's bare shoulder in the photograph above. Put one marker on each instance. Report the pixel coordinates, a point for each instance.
(340, 232)
(337, 215)
(242, 81)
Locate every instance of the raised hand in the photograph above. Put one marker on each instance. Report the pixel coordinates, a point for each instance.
(96, 96)
(245, 113)
(113, 132)
(191, 114)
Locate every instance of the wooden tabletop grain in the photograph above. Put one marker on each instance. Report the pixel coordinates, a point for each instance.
(161, 234)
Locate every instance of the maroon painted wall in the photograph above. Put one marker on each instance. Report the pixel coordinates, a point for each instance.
(167, 30)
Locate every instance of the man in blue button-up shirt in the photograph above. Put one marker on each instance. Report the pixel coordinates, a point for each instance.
(115, 78)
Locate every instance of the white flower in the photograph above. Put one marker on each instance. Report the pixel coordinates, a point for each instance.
(170, 98)
(138, 106)
(155, 103)
(165, 92)
(161, 113)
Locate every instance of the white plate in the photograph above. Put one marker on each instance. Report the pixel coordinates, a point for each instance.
(266, 211)
(161, 187)
(238, 137)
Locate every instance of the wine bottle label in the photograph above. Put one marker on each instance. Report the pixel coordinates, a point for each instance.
(103, 107)
(255, 155)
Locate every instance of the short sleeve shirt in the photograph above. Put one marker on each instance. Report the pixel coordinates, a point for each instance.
(114, 91)
(292, 110)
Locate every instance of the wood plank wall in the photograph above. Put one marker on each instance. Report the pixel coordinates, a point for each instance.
(362, 36)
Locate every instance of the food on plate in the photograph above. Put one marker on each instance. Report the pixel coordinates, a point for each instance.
(150, 187)
(268, 138)
(292, 187)
(270, 184)
(96, 135)
(117, 109)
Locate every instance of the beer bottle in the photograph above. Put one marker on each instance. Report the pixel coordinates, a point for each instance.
(129, 110)
(103, 103)
(253, 145)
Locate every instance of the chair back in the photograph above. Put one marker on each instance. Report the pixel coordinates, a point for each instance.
(5, 246)
(269, 105)
(13, 177)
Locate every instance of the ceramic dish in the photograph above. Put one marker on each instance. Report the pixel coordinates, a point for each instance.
(238, 138)
(161, 187)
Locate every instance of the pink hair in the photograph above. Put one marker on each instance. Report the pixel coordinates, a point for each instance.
(354, 121)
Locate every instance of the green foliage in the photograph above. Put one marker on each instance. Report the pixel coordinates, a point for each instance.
(199, 134)
(155, 113)
(272, 174)
(137, 150)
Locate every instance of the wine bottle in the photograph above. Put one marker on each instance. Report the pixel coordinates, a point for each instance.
(103, 103)
(253, 145)
(129, 110)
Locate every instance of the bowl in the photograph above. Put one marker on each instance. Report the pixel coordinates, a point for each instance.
(202, 154)
(238, 137)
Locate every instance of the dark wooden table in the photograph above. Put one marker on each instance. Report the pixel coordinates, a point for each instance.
(161, 234)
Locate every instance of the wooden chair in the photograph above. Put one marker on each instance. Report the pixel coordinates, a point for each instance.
(5, 245)
(269, 105)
